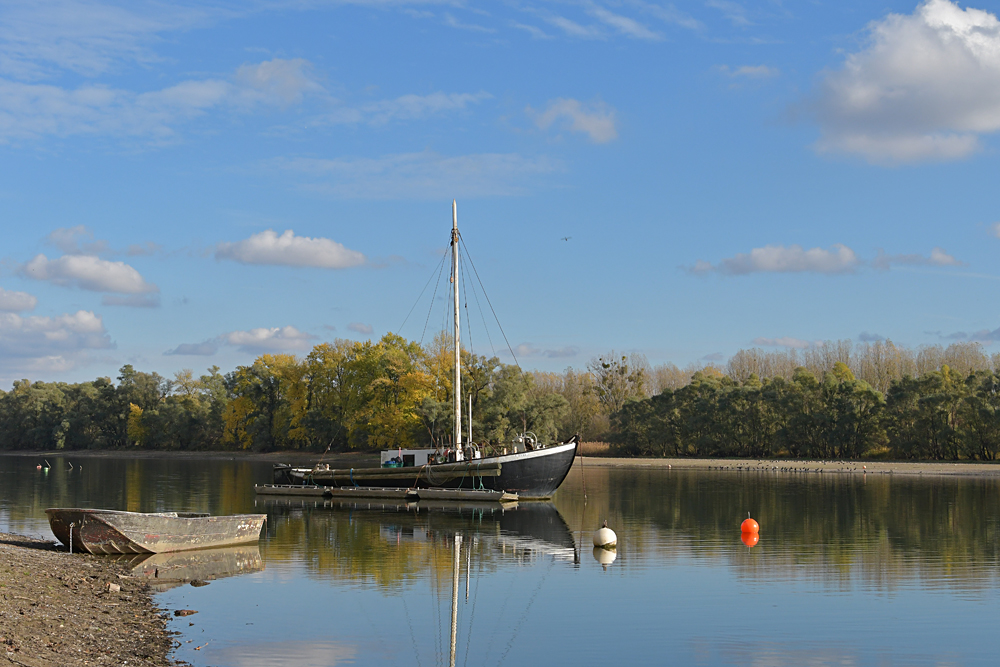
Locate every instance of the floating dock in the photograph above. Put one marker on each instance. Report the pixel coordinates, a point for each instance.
(409, 495)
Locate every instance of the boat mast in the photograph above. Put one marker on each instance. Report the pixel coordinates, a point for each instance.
(458, 347)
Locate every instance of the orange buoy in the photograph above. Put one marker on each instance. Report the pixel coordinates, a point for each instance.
(749, 525)
(750, 539)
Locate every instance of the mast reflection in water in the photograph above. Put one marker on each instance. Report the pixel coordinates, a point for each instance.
(421, 583)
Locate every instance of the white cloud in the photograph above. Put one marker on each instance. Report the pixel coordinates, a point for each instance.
(89, 273)
(780, 259)
(750, 71)
(452, 22)
(41, 37)
(926, 86)
(16, 302)
(147, 248)
(995, 229)
(277, 339)
(938, 257)
(77, 240)
(596, 120)
(734, 12)
(278, 79)
(361, 328)
(626, 26)
(787, 341)
(670, 14)
(572, 28)
(529, 350)
(132, 300)
(289, 250)
(532, 30)
(868, 337)
(409, 107)
(204, 349)
(29, 111)
(424, 175)
(52, 344)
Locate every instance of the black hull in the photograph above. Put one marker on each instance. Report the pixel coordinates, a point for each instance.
(534, 474)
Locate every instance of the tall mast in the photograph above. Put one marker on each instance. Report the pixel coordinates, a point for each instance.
(458, 347)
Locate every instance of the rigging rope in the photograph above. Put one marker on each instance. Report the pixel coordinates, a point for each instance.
(433, 297)
(418, 298)
(465, 294)
(473, 265)
(524, 616)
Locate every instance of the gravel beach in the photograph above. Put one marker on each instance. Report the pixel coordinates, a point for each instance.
(64, 609)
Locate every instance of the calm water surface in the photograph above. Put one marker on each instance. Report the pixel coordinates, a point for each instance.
(849, 570)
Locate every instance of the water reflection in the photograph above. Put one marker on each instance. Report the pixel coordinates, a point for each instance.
(882, 532)
(847, 570)
(389, 544)
(167, 570)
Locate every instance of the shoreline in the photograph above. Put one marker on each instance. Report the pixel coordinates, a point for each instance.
(58, 608)
(797, 466)
(356, 459)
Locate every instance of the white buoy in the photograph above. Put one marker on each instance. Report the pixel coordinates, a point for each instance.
(605, 537)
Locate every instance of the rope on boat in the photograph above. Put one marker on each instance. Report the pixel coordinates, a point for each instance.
(352, 478)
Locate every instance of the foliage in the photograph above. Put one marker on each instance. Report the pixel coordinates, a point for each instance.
(396, 393)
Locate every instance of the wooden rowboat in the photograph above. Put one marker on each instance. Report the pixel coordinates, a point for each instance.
(115, 532)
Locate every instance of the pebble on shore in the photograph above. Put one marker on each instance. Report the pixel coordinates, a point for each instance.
(69, 610)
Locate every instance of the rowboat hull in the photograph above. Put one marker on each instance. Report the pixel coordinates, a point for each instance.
(531, 475)
(115, 532)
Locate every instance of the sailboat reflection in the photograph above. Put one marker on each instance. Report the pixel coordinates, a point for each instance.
(167, 570)
(522, 531)
(394, 544)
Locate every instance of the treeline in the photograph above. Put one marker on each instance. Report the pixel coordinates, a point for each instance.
(944, 413)
(344, 395)
(832, 401)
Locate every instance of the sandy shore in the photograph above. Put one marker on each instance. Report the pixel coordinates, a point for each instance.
(58, 609)
(796, 466)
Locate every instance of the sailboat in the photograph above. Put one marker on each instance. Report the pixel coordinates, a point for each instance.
(525, 467)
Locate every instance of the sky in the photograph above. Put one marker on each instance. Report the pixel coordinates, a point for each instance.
(193, 184)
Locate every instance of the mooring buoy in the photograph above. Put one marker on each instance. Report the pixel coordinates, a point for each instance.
(605, 537)
(749, 526)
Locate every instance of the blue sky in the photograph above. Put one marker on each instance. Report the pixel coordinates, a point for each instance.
(189, 184)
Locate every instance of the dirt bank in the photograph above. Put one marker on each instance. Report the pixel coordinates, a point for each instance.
(796, 466)
(56, 609)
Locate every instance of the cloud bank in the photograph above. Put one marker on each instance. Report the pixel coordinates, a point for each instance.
(89, 273)
(289, 250)
(274, 340)
(50, 344)
(787, 341)
(925, 87)
(596, 120)
(32, 110)
(16, 302)
(838, 259)
(781, 259)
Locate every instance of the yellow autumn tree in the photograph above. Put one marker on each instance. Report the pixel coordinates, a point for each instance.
(134, 428)
(270, 403)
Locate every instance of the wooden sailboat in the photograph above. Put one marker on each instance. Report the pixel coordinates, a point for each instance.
(526, 467)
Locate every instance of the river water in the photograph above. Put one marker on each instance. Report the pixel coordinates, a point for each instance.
(849, 570)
